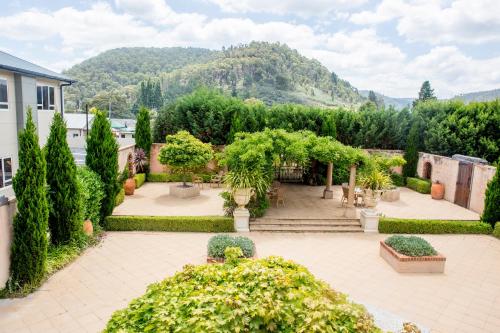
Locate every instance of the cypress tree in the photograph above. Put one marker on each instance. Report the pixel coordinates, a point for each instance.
(411, 151)
(102, 158)
(491, 212)
(143, 131)
(29, 243)
(64, 194)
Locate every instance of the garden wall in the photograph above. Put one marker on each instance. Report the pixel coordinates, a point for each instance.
(156, 167)
(123, 155)
(444, 170)
(7, 211)
(481, 175)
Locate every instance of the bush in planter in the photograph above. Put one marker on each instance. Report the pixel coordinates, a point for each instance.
(184, 153)
(412, 246)
(218, 244)
(242, 295)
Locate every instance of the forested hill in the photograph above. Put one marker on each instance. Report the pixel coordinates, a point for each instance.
(479, 96)
(269, 71)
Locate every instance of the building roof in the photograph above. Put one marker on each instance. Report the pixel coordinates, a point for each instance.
(123, 125)
(77, 120)
(18, 65)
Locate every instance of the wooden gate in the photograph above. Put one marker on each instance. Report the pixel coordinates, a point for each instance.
(464, 179)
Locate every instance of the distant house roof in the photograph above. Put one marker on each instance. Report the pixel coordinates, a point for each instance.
(77, 120)
(18, 65)
(123, 124)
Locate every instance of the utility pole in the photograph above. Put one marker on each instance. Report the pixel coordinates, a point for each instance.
(87, 118)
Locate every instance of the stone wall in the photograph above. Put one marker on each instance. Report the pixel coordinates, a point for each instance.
(123, 156)
(444, 170)
(7, 211)
(481, 175)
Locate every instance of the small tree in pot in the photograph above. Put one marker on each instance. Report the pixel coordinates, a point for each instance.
(129, 185)
(374, 182)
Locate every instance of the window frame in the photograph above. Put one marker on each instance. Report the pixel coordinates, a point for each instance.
(4, 182)
(40, 106)
(7, 85)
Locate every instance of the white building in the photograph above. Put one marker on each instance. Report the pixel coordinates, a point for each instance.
(24, 84)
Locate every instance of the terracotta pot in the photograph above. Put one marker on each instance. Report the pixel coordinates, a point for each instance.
(437, 191)
(88, 229)
(129, 186)
(242, 196)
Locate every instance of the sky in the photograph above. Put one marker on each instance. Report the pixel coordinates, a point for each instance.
(389, 46)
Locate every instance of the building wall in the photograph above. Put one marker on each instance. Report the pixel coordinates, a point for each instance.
(444, 170)
(481, 175)
(7, 211)
(44, 117)
(123, 156)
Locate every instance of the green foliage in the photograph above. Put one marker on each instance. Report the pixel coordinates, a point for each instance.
(375, 179)
(141, 161)
(398, 180)
(426, 93)
(491, 212)
(65, 219)
(412, 246)
(184, 153)
(120, 197)
(242, 296)
(29, 243)
(412, 149)
(218, 244)
(175, 177)
(102, 158)
(139, 178)
(420, 185)
(91, 192)
(116, 102)
(143, 139)
(257, 205)
(170, 223)
(411, 226)
(496, 231)
(150, 95)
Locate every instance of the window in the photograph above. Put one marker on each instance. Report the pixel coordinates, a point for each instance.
(45, 97)
(5, 172)
(122, 136)
(4, 102)
(75, 135)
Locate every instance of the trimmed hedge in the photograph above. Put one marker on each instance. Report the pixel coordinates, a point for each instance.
(139, 178)
(412, 226)
(170, 223)
(496, 231)
(174, 177)
(419, 185)
(398, 180)
(412, 246)
(120, 197)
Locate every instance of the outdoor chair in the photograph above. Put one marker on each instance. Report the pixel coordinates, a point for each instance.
(280, 197)
(197, 180)
(216, 180)
(345, 195)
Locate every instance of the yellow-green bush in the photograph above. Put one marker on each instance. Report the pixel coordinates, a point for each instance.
(419, 185)
(496, 231)
(412, 226)
(120, 197)
(139, 178)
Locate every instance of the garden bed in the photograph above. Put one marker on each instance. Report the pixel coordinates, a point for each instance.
(406, 264)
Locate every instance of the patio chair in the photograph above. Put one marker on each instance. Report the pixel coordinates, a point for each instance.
(197, 180)
(216, 180)
(280, 197)
(345, 195)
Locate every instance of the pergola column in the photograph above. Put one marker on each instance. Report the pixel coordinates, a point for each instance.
(328, 193)
(352, 185)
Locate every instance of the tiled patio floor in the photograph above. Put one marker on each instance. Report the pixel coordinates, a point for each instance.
(82, 297)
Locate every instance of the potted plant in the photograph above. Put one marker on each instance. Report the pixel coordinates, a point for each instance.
(140, 160)
(184, 154)
(374, 182)
(129, 185)
(437, 190)
(244, 184)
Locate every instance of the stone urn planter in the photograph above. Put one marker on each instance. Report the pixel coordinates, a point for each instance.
(184, 191)
(391, 195)
(437, 191)
(88, 228)
(129, 186)
(242, 196)
(406, 264)
(372, 197)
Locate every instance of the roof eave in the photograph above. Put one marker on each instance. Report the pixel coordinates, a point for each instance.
(37, 74)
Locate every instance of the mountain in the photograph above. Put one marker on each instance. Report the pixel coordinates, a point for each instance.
(479, 96)
(397, 103)
(269, 71)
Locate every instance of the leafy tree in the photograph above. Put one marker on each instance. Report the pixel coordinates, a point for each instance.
(184, 153)
(143, 131)
(29, 243)
(411, 152)
(102, 158)
(426, 93)
(164, 123)
(63, 190)
(491, 212)
(115, 102)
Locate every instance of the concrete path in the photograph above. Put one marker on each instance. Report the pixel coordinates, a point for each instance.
(82, 297)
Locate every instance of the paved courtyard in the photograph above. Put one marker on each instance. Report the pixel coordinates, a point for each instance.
(82, 297)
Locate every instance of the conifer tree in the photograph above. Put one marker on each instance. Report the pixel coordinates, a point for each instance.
(411, 151)
(102, 158)
(63, 191)
(491, 212)
(29, 243)
(426, 93)
(143, 131)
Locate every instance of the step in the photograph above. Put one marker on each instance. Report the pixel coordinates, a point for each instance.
(305, 228)
(318, 222)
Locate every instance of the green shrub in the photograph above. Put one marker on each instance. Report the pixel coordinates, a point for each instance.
(120, 197)
(91, 194)
(491, 213)
(412, 226)
(266, 295)
(218, 244)
(143, 137)
(419, 185)
(496, 232)
(157, 177)
(171, 223)
(139, 178)
(175, 177)
(412, 246)
(398, 180)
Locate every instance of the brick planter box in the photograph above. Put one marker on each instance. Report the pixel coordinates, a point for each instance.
(406, 264)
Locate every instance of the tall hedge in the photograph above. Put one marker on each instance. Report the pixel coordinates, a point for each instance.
(143, 131)
(63, 194)
(411, 151)
(29, 243)
(491, 212)
(102, 158)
